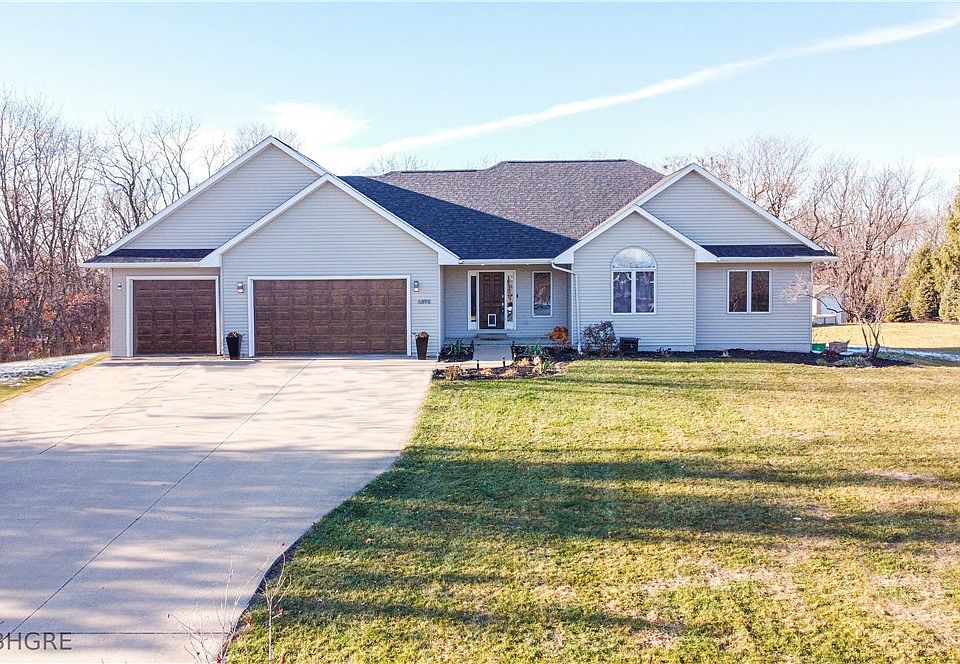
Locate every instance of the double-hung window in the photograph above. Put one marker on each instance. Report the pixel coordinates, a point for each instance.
(633, 275)
(748, 291)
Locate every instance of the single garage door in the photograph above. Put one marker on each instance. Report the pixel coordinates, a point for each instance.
(336, 316)
(174, 316)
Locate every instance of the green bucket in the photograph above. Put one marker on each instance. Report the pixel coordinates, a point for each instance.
(819, 348)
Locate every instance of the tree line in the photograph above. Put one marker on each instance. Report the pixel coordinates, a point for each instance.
(66, 193)
(69, 191)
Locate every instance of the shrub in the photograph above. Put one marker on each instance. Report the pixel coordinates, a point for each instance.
(600, 336)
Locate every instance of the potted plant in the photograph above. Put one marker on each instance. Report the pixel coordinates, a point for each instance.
(422, 338)
(233, 344)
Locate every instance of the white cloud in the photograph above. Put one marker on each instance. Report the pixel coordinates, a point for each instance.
(945, 167)
(319, 126)
(327, 129)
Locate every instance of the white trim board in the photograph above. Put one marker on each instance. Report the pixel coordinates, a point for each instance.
(251, 315)
(213, 259)
(128, 284)
(209, 182)
(140, 266)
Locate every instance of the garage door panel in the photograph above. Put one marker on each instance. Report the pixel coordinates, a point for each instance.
(337, 316)
(174, 316)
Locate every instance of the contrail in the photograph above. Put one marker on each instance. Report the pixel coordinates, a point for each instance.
(853, 41)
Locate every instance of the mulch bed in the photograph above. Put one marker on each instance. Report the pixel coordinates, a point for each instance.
(521, 369)
(814, 359)
(561, 359)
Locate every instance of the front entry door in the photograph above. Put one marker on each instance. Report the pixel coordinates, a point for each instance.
(491, 301)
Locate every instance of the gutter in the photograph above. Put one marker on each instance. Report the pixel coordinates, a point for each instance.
(576, 300)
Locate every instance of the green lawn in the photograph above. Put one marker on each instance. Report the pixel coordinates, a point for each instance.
(913, 336)
(648, 511)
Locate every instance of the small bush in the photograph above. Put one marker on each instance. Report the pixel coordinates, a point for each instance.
(600, 337)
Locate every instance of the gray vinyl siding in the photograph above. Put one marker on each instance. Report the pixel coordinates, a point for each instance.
(118, 299)
(528, 325)
(787, 327)
(672, 325)
(708, 215)
(230, 205)
(330, 233)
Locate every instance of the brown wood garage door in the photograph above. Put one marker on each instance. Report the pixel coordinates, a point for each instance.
(334, 316)
(174, 316)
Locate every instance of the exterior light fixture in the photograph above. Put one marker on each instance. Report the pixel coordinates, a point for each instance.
(416, 286)
(239, 288)
(119, 285)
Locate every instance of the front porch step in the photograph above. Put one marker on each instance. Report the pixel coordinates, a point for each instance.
(491, 336)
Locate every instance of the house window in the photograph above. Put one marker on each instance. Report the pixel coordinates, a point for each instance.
(542, 294)
(633, 282)
(748, 291)
(509, 298)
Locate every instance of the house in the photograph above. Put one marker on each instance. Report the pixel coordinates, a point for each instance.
(826, 307)
(301, 261)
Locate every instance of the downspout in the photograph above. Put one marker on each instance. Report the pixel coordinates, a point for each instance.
(576, 300)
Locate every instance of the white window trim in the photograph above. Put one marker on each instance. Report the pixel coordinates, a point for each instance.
(633, 291)
(507, 325)
(251, 314)
(750, 310)
(633, 284)
(533, 294)
(170, 277)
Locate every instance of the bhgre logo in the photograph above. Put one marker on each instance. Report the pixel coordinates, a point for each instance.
(35, 641)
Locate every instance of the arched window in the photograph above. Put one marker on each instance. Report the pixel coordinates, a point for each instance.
(633, 280)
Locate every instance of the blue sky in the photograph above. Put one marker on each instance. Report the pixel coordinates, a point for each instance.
(353, 80)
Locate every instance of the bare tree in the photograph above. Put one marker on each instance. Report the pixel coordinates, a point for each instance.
(868, 218)
(47, 180)
(769, 170)
(251, 133)
(396, 162)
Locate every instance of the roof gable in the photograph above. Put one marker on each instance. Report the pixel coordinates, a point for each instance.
(242, 191)
(696, 202)
(444, 254)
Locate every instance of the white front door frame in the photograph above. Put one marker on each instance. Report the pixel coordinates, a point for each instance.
(508, 276)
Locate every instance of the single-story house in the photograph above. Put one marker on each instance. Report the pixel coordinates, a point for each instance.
(300, 261)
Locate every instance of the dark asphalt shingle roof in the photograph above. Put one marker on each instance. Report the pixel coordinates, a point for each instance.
(764, 251)
(515, 209)
(152, 256)
(469, 233)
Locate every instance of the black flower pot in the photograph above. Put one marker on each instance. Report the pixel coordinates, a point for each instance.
(233, 346)
(422, 347)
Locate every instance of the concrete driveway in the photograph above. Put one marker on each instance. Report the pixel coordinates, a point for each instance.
(143, 500)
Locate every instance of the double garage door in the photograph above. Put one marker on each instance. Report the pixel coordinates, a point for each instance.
(336, 316)
(291, 317)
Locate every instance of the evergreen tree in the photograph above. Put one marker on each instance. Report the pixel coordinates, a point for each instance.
(920, 285)
(898, 310)
(948, 265)
(950, 300)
